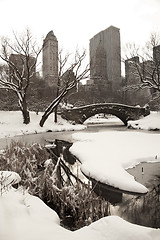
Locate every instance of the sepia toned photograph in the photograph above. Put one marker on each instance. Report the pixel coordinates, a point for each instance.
(80, 120)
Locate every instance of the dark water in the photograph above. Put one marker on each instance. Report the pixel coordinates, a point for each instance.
(41, 138)
(145, 173)
(65, 135)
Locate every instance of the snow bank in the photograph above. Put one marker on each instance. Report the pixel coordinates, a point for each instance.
(115, 228)
(106, 155)
(150, 122)
(11, 124)
(23, 216)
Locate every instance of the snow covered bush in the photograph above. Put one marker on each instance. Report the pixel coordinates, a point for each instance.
(49, 177)
(24, 160)
(76, 205)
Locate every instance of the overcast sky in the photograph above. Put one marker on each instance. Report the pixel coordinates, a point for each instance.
(75, 22)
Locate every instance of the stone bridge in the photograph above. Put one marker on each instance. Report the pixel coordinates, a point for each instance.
(123, 112)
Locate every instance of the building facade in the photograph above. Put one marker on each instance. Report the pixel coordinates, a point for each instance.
(156, 60)
(135, 70)
(105, 59)
(156, 54)
(50, 59)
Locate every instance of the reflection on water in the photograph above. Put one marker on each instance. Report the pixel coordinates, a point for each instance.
(66, 135)
(40, 138)
(146, 173)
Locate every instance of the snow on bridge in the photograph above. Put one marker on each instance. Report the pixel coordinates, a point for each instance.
(123, 112)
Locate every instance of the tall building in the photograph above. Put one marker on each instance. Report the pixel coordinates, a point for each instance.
(134, 94)
(50, 59)
(156, 54)
(105, 57)
(156, 61)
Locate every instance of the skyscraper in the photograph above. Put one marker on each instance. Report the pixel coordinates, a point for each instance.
(156, 61)
(50, 59)
(105, 57)
(156, 54)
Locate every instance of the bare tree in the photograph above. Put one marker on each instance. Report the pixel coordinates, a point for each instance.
(62, 61)
(68, 78)
(143, 66)
(20, 58)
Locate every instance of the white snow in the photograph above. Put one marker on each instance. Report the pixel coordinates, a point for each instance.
(150, 122)
(11, 124)
(26, 217)
(105, 156)
(100, 118)
(115, 228)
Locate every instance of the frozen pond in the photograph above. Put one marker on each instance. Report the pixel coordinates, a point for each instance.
(144, 173)
(66, 135)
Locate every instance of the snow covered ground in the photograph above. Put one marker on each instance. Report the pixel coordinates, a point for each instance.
(150, 122)
(11, 124)
(26, 217)
(23, 216)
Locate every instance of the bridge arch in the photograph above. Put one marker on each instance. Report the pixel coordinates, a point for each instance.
(121, 111)
(85, 117)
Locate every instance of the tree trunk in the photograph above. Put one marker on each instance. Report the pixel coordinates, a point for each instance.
(43, 119)
(26, 116)
(52, 106)
(25, 112)
(55, 114)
